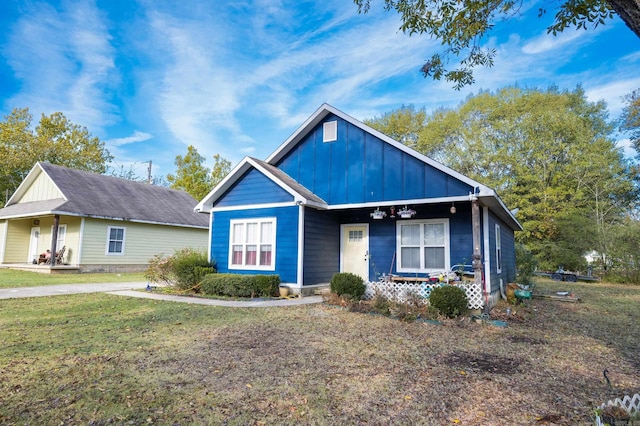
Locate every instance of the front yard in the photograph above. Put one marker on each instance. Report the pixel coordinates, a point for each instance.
(99, 359)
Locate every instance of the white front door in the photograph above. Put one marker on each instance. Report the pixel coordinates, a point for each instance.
(355, 250)
(33, 244)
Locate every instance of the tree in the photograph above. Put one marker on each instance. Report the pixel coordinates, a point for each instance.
(55, 140)
(630, 119)
(548, 154)
(403, 124)
(461, 25)
(194, 177)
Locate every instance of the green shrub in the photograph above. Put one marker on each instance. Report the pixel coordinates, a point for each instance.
(450, 301)
(346, 283)
(240, 285)
(525, 264)
(184, 269)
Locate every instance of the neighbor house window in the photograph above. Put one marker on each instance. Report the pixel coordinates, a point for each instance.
(252, 244)
(115, 240)
(62, 236)
(422, 245)
(498, 250)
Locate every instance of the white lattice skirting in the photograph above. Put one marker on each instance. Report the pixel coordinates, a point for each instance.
(630, 403)
(401, 292)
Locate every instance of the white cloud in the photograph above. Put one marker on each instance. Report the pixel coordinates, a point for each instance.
(64, 61)
(547, 42)
(137, 136)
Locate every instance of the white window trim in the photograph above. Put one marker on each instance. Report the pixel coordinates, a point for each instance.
(447, 246)
(124, 239)
(498, 250)
(243, 267)
(330, 131)
(64, 237)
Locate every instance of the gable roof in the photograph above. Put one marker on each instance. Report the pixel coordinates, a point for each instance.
(88, 194)
(487, 195)
(300, 193)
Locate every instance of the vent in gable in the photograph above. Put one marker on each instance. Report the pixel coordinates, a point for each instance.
(330, 131)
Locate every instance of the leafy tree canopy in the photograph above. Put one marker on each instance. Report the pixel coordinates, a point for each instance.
(55, 140)
(630, 120)
(461, 25)
(548, 153)
(194, 177)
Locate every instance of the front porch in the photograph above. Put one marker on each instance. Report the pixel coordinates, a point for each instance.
(43, 269)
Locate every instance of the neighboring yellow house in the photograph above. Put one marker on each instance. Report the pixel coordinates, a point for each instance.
(104, 223)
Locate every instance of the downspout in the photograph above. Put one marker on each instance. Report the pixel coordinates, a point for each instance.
(300, 272)
(54, 239)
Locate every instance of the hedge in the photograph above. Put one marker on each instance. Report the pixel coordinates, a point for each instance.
(240, 285)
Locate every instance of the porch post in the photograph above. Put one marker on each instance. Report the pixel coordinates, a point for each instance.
(54, 239)
(477, 256)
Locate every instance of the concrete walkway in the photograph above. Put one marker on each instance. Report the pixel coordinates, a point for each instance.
(129, 290)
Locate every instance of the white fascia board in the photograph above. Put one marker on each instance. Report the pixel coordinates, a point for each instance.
(222, 186)
(28, 181)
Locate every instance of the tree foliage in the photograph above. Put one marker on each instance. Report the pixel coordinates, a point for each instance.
(194, 177)
(55, 140)
(547, 153)
(630, 119)
(462, 25)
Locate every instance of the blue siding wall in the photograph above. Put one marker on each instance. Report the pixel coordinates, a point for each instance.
(507, 245)
(359, 167)
(253, 188)
(286, 236)
(321, 246)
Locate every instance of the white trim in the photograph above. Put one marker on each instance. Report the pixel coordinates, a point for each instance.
(31, 247)
(210, 239)
(373, 204)
(498, 247)
(3, 243)
(487, 249)
(300, 271)
(28, 181)
(124, 239)
(257, 267)
(447, 245)
(80, 240)
(64, 240)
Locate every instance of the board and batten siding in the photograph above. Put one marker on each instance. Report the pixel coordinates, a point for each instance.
(142, 241)
(321, 246)
(253, 188)
(359, 167)
(41, 189)
(508, 272)
(286, 240)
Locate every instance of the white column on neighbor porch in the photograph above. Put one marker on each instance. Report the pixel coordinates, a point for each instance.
(477, 253)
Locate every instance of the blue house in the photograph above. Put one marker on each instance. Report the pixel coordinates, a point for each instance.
(339, 196)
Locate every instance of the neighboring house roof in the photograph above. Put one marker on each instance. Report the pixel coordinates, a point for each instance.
(88, 194)
(488, 196)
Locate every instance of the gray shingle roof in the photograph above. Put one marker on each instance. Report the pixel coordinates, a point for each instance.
(94, 195)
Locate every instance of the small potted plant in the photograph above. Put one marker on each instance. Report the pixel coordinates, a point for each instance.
(406, 213)
(378, 214)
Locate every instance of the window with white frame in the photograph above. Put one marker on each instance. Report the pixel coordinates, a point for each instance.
(422, 245)
(115, 240)
(62, 236)
(252, 244)
(498, 250)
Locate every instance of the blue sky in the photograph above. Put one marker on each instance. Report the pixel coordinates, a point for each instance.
(151, 77)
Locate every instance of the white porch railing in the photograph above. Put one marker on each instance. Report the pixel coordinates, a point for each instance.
(401, 291)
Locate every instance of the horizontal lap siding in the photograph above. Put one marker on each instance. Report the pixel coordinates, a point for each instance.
(286, 240)
(142, 242)
(507, 244)
(359, 167)
(322, 246)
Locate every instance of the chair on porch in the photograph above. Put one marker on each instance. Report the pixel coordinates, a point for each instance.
(60, 256)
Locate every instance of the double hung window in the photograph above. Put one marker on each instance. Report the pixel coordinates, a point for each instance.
(115, 240)
(252, 243)
(423, 245)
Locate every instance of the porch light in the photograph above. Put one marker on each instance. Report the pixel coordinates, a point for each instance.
(378, 214)
(452, 209)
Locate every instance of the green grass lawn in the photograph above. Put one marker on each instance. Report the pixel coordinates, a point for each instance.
(15, 278)
(98, 359)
